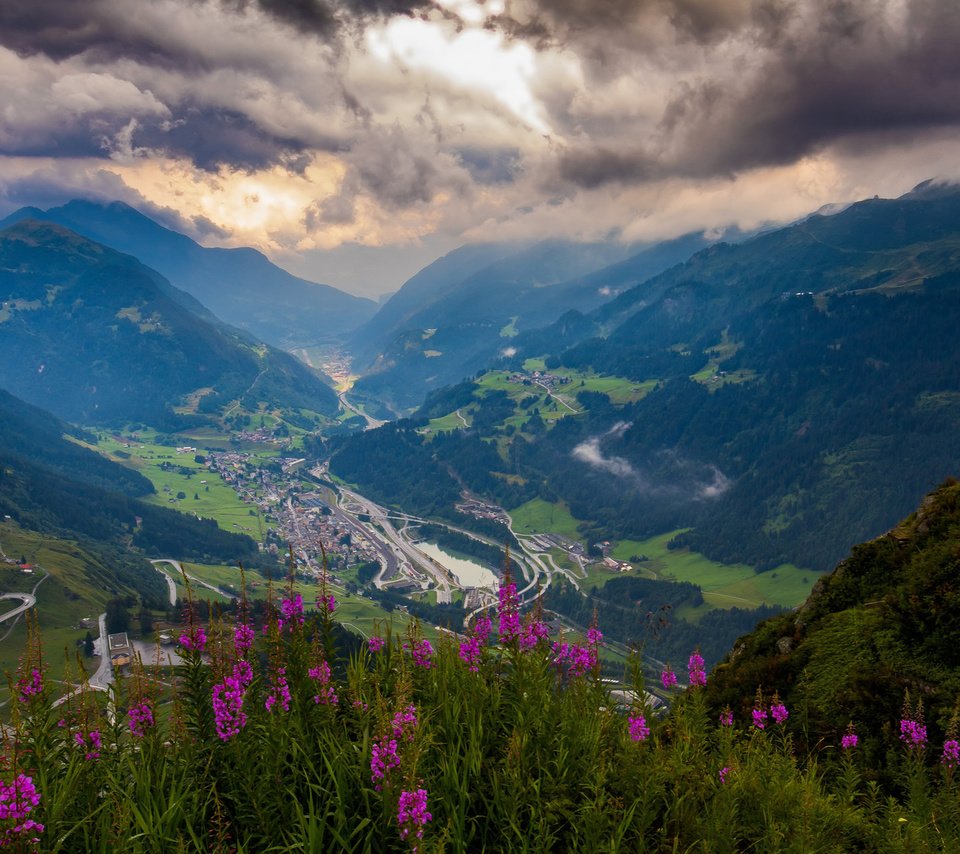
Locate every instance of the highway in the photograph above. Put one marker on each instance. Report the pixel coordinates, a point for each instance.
(28, 600)
(176, 565)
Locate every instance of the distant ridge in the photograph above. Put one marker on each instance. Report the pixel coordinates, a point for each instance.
(240, 286)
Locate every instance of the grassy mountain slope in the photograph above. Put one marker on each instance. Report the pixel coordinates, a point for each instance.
(241, 286)
(885, 621)
(452, 319)
(97, 337)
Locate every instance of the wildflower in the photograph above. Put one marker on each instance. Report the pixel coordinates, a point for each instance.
(228, 708)
(639, 731)
(470, 653)
(140, 718)
(327, 603)
(412, 813)
(383, 758)
(422, 651)
(533, 633)
(405, 722)
(594, 636)
(375, 644)
(243, 638)
(913, 733)
(326, 695)
(850, 738)
(508, 611)
(482, 629)
(30, 686)
(243, 672)
(579, 659)
(725, 774)
(759, 718)
(291, 611)
(697, 675)
(951, 753)
(726, 717)
(280, 693)
(194, 640)
(778, 711)
(90, 743)
(668, 679)
(17, 801)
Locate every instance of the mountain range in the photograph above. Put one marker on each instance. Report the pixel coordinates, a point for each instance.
(464, 311)
(240, 286)
(95, 337)
(779, 399)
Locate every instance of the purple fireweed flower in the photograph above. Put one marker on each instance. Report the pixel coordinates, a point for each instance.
(89, 743)
(291, 611)
(913, 734)
(375, 644)
(951, 753)
(849, 740)
(778, 711)
(280, 693)
(327, 603)
(140, 718)
(579, 659)
(668, 679)
(243, 638)
(194, 640)
(405, 723)
(17, 800)
(30, 686)
(533, 633)
(243, 672)
(422, 651)
(326, 694)
(697, 675)
(383, 758)
(482, 629)
(470, 653)
(412, 813)
(724, 773)
(228, 708)
(726, 717)
(508, 613)
(594, 636)
(759, 718)
(639, 731)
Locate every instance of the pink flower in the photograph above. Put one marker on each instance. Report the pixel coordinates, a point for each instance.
(697, 675)
(17, 801)
(326, 695)
(533, 633)
(849, 740)
(383, 758)
(328, 603)
(412, 813)
(668, 679)
(140, 718)
(726, 717)
(508, 612)
(405, 723)
(243, 638)
(291, 611)
(594, 636)
(375, 644)
(194, 640)
(951, 753)
(913, 734)
(422, 652)
(280, 693)
(90, 743)
(778, 711)
(228, 708)
(30, 686)
(724, 773)
(759, 718)
(639, 731)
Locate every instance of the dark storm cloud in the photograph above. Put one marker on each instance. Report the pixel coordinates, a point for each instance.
(211, 136)
(842, 73)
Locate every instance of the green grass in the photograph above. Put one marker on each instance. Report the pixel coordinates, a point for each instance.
(510, 330)
(540, 517)
(214, 498)
(724, 585)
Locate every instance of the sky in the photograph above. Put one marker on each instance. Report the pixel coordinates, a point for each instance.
(354, 141)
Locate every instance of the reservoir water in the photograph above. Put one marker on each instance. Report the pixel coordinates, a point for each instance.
(468, 572)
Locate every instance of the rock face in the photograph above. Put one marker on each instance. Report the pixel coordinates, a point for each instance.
(886, 621)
